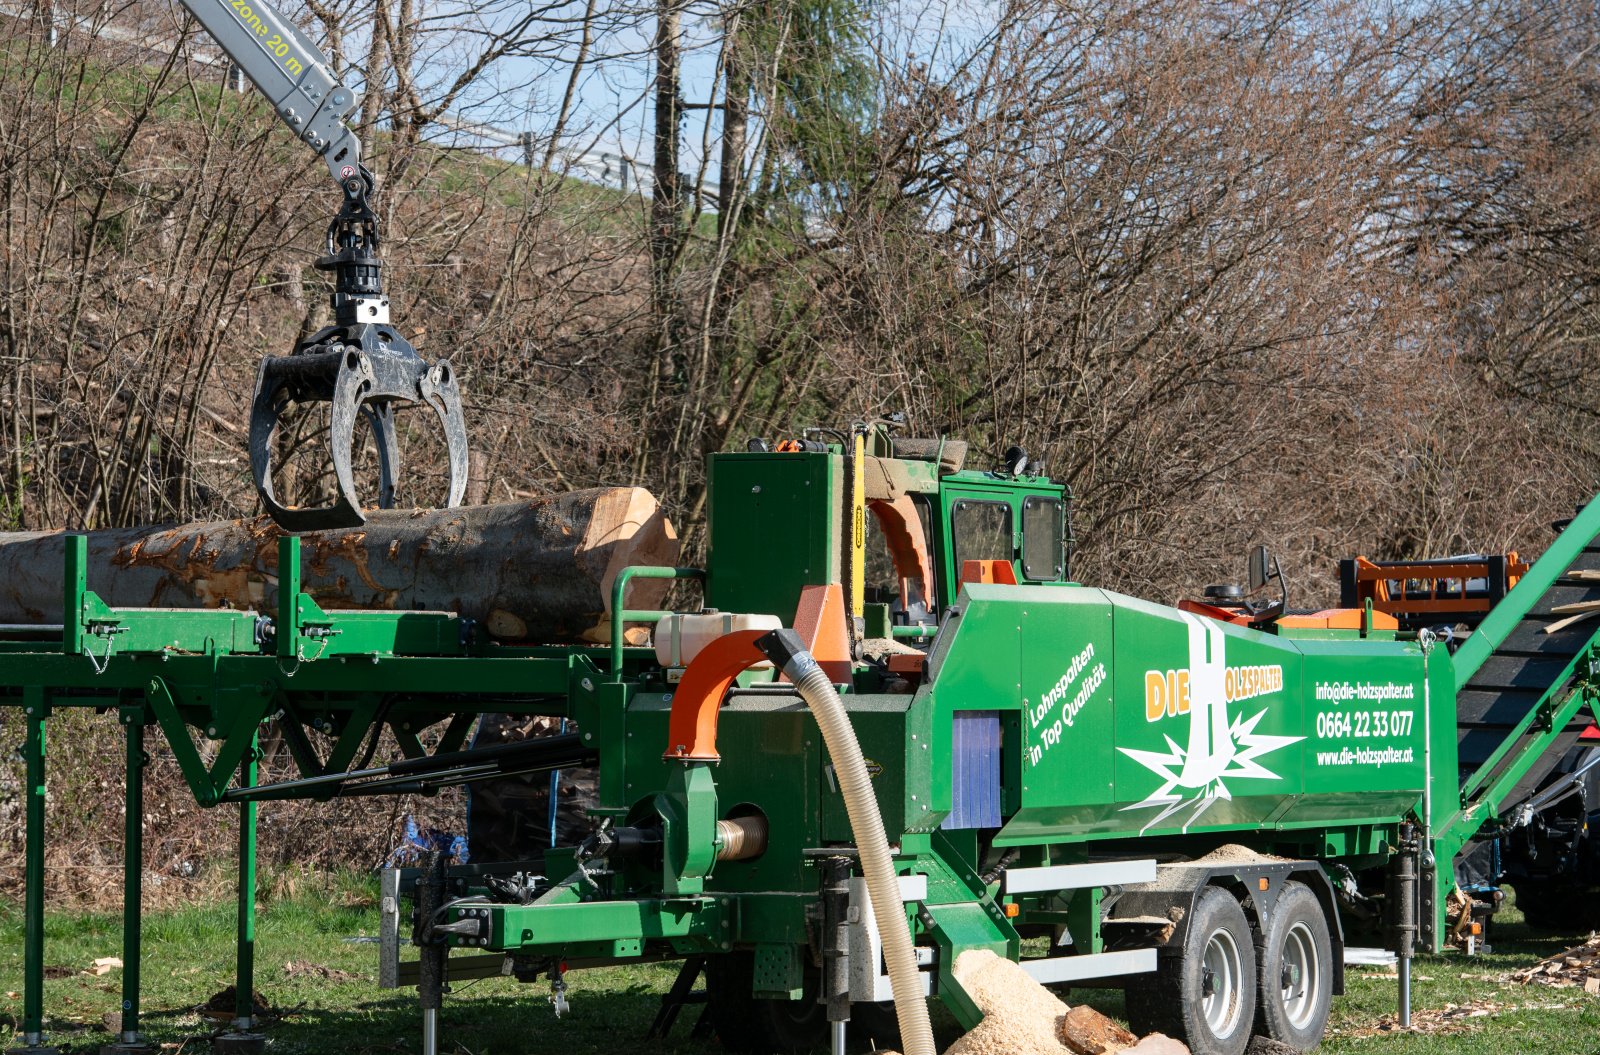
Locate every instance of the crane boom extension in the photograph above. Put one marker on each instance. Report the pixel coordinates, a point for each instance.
(359, 365)
(291, 72)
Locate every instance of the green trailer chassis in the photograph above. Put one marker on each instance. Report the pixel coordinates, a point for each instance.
(334, 679)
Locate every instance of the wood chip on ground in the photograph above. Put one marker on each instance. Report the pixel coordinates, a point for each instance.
(302, 968)
(1577, 967)
(1452, 1018)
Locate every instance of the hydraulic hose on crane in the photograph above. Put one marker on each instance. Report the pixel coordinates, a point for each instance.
(785, 649)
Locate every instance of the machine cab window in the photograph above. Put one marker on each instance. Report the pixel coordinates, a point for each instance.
(1043, 550)
(982, 531)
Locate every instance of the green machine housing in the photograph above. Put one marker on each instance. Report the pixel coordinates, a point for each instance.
(1050, 760)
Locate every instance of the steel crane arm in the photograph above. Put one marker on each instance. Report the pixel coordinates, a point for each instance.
(291, 71)
(360, 365)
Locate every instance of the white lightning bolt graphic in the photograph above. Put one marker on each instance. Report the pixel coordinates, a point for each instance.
(1216, 749)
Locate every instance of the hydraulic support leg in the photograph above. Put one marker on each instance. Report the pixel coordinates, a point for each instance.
(836, 950)
(241, 1038)
(1403, 914)
(431, 965)
(130, 1041)
(34, 713)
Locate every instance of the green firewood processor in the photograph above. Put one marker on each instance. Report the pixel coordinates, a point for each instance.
(892, 730)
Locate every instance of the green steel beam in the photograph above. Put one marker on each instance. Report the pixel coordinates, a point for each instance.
(34, 714)
(1465, 823)
(354, 734)
(190, 764)
(551, 926)
(957, 929)
(410, 743)
(95, 632)
(455, 734)
(621, 615)
(74, 585)
(132, 870)
(1539, 713)
(288, 625)
(305, 632)
(1503, 618)
(245, 974)
(294, 734)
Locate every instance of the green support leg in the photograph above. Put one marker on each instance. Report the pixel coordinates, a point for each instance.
(241, 1038)
(130, 1041)
(246, 974)
(34, 713)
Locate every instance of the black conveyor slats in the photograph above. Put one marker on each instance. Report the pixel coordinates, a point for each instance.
(1512, 680)
(1520, 672)
(1529, 637)
(1534, 779)
(1484, 708)
(1559, 594)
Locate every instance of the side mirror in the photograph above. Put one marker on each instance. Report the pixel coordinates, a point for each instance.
(1263, 569)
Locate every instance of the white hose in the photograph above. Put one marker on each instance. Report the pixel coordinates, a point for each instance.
(910, 1006)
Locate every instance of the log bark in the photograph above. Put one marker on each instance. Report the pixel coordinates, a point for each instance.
(536, 571)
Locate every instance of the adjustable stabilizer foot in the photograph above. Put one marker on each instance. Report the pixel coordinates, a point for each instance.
(359, 370)
(34, 1049)
(139, 1045)
(240, 1043)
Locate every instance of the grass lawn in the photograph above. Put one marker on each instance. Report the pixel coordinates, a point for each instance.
(333, 1004)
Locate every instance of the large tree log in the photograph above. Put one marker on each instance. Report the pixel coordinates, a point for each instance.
(538, 570)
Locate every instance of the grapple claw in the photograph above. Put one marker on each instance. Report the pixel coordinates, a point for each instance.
(439, 391)
(370, 372)
(359, 365)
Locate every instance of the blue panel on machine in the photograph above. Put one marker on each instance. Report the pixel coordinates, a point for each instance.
(975, 770)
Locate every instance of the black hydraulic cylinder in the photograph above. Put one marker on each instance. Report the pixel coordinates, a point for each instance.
(430, 967)
(420, 774)
(836, 938)
(555, 751)
(1402, 913)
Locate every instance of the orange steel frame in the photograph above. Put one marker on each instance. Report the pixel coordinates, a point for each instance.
(1373, 582)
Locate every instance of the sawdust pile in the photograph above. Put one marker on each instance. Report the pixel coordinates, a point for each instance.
(1022, 1017)
(1019, 1015)
(1578, 967)
(1233, 853)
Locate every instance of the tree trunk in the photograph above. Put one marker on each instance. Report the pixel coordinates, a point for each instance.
(666, 206)
(538, 571)
(571, 94)
(377, 60)
(735, 126)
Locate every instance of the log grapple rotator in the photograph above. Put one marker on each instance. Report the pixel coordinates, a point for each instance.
(361, 366)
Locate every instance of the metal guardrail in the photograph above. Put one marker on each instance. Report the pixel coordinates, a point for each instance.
(602, 167)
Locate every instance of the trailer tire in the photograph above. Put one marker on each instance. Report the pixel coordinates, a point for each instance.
(1206, 996)
(752, 1026)
(1296, 970)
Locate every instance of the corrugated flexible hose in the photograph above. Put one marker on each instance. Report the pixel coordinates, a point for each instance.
(877, 865)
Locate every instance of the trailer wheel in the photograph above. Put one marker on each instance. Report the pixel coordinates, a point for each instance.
(1206, 996)
(750, 1026)
(1296, 970)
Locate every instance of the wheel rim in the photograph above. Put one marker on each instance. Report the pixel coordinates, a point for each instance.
(1301, 980)
(1224, 973)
